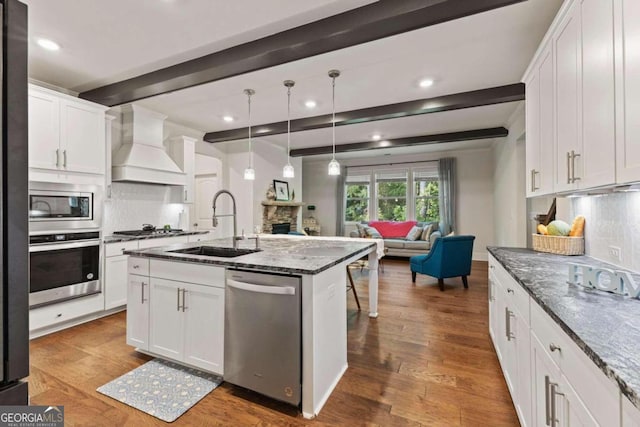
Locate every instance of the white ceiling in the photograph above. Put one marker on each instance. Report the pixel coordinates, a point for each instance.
(104, 42)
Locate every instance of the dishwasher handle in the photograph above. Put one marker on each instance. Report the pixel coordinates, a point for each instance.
(276, 290)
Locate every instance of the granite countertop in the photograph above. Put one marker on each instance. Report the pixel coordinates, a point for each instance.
(293, 254)
(124, 238)
(605, 326)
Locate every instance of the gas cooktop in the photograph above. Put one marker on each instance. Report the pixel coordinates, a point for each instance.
(147, 232)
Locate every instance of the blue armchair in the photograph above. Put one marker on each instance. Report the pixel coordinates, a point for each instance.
(449, 257)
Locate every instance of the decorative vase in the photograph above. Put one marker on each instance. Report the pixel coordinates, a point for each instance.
(271, 193)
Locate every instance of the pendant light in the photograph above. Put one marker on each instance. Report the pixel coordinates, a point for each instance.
(334, 166)
(287, 170)
(250, 173)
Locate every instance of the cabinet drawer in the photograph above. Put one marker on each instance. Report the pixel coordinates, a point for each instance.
(115, 249)
(630, 414)
(514, 294)
(139, 266)
(163, 241)
(598, 393)
(203, 274)
(65, 311)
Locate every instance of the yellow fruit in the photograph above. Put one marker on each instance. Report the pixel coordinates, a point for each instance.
(542, 229)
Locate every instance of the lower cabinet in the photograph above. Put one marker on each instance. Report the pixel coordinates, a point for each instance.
(175, 319)
(551, 381)
(115, 281)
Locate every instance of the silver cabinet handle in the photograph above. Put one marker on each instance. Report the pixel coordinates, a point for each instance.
(184, 299)
(64, 157)
(490, 290)
(547, 406)
(135, 266)
(142, 300)
(178, 302)
(510, 291)
(573, 166)
(57, 157)
(554, 347)
(185, 195)
(554, 393)
(508, 314)
(568, 168)
(532, 176)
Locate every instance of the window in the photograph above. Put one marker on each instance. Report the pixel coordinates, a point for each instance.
(391, 188)
(357, 198)
(396, 193)
(425, 190)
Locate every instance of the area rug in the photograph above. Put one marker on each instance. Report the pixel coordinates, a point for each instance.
(160, 388)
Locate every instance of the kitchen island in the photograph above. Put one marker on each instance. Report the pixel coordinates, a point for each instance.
(176, 302)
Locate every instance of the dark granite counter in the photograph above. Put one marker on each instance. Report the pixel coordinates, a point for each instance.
(301, 255)
(123, 238)
(605, 326)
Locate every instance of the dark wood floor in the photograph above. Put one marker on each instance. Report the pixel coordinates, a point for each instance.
(427, 360)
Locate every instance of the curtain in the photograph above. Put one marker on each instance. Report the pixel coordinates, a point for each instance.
(447, 198)
(340, 182)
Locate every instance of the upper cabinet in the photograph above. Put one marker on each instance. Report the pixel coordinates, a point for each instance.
(66, 134)
(573, 123)
(627, 30)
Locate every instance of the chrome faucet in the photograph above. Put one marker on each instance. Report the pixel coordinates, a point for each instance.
(214, 219)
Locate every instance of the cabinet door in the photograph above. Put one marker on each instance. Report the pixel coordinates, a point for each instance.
(115, 281)
(544, 374)
(567, 61)
(82, 134)
(204, 327)
(574, 410)
(598, 103)
(44, 131)
(546, 113)
(521, 345)
(532, 145)
(628, 91)
(167, 322)
(494, 311)
(138, 312)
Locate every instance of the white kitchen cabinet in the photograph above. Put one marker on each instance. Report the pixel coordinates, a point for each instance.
(494, 310)
(138, 311)
(182, 150)
(166, 321)
(115, 281)
(203, 346)
(598, 91)
(567, 58)
(627, 16)
(66, 134)
(184, 321)
(630, 414)
(539, 123)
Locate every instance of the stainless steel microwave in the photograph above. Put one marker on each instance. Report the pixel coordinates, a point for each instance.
(61, 207)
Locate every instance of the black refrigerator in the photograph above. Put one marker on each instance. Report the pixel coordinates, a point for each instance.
(14, 225)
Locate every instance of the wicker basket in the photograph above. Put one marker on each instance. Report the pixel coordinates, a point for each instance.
(558, 244)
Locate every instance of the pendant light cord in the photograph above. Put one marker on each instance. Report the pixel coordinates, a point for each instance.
(250, 148)
(289, 125)
(333, 101)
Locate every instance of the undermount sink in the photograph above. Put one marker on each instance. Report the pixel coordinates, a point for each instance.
(216, 251)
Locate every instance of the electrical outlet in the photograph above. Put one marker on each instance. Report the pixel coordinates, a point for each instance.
(615, 253)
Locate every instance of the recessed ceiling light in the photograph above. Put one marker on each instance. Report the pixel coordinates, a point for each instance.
(426, 83)
(227, 119)
(48, 44)
(310, 104)
(376, 137)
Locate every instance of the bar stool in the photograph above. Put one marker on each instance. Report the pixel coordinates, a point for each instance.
(352, 286)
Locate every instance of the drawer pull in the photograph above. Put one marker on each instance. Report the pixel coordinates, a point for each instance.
(123, 249)
(136, 266)
(509, 290)
(59, 315)
(554, 347)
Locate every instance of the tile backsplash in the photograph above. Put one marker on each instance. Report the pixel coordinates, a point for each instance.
(611, 220)
(132, 205)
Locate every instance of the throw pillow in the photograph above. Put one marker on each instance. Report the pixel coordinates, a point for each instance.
(361, 230)
(434, 236)
(372, 232)
(426, 232)
(453, 233)
(414, 233)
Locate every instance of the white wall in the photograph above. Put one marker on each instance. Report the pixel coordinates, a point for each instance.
(509, 181)
(474, 202)
(611, 220)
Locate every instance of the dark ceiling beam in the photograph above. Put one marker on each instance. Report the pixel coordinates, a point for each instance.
(476, 98)
(467, 135)
(381, 19)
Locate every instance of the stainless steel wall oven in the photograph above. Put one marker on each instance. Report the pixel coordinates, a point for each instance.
(63, 266)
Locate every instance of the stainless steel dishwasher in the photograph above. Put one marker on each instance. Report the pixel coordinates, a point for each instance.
(262, 336)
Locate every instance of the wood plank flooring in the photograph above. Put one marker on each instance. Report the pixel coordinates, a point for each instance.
(426, 361)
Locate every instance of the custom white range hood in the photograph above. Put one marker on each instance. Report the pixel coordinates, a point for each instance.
(142, 157)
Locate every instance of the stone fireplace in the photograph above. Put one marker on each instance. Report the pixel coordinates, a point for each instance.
(278, 212)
